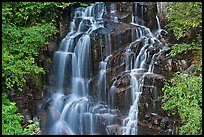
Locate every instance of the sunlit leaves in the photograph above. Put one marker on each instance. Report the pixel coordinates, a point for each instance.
(30, 13)
(185, 20)
(180, 48)
(20, 48)
(183, 16)
(26, 29)
(32, 129)
(183, 93)
(63, 4)
(10, 118)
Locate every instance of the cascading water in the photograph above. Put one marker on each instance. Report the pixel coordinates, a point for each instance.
(140, 63)
(75, 113)
(73, 109)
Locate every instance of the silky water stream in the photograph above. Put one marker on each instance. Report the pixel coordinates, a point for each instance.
(72, 107)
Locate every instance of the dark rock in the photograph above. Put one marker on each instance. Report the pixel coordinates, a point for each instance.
(156, 119)
(27, 115)
(171, 66)
(119, 36)
(169, 132)
(114, 129)
(43, 122)
(164, 123)
(147, 117)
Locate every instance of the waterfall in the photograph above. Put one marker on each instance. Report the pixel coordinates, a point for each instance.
(140, 63)
(102, 78)
(158, 23)
(76, 114)
(142, 14)
(78, 106)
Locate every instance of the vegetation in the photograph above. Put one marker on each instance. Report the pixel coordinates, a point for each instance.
(185, 20)
(26, 29)
(27, 26)
(183, 93)
(32, 129)
(10, 120)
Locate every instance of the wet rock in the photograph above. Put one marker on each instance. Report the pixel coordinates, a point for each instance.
(52, 46)
(150, 78)
(164, 123)
(170, 65)
(147, 117)
(43, 122)
(63, 25)
(124, 100)
(123, 17)
(193, 69)
(169, 132)
(119, 35)
(27, 116)
(148, 129)
(151, 50)
(156, 119)
(114, 129)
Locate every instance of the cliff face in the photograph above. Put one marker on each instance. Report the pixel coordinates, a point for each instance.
(114, 39)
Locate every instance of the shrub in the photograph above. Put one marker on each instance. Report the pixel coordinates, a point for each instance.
(183, 93)
(185, 20)
(10, 118)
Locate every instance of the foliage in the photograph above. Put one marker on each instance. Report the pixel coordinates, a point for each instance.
(185, 19)
(184, 94)
(32, 129)
(20, 49)
(31, 13)
(83, 4)
(184, 16)
(10, 119)
(183, 48)
(26, 29)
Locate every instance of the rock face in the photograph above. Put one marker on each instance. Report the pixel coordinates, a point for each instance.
(120, 35)
(115, 38)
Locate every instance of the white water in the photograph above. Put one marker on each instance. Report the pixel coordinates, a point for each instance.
(129, 125)
(76, 111)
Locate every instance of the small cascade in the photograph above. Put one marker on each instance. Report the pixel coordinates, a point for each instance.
(142, 14)
(160, 33)
(158, 23)
(102, 79)
(84, 98)
(138, 13)
(143, 61)
(113, 11)
(112, 8)
(162, 8)
(134, 13)
(113, 93)
(128, 62)
(75, 53)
